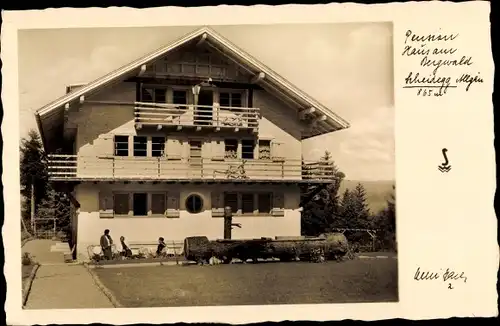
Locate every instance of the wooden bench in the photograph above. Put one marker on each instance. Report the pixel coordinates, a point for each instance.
(173, 247)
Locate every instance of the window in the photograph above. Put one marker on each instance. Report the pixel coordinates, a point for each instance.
(264, 149)
(231, 148)
(121, 145)
(264, 201)
(153, 95)
(158, 204)
(140, 146)
(247, 149)
(180, 97)
(231, 200)
(194, 204)
(157, 146)
(121, 204)
(140, 203)
(247, 203)
(160, 95)
(147, 95)
(230, 99)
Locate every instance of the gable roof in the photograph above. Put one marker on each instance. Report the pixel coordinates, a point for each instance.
(272, 81)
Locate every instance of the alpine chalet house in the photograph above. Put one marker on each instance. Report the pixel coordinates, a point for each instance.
(159, 147)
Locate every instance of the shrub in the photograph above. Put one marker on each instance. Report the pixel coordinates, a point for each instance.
(26, 259)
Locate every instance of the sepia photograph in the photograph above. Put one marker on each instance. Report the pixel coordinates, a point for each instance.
(212, 165)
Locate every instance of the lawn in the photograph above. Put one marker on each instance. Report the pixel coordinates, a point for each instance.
(370, 280)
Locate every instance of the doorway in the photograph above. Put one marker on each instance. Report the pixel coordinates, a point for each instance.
(204, 113)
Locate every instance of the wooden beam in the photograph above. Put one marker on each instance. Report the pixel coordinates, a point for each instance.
(142, 71)
(202, 39)
(257, 78)
(320, 118)
(304, 113)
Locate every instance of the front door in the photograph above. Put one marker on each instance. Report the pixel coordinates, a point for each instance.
(195, 158)
(204, 112)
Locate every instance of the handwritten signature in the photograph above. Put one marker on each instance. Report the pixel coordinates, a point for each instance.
(448, 276)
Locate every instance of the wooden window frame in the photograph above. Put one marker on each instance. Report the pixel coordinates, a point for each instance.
(242, 92)
(255, 212)
(149, 203)
(163, 151)
(115, 142)
(153, 87)
(134, 142)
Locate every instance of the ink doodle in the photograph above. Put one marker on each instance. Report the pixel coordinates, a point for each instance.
(438, 58)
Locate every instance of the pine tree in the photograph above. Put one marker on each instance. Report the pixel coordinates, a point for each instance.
(33, 171)
(55, 205)
(354, 208)
(319, 211)
(385, 222)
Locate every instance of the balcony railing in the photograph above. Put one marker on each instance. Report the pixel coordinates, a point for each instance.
(199, 116)
(67, 167)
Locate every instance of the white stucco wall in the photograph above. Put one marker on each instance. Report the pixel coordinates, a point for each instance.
(149, 229)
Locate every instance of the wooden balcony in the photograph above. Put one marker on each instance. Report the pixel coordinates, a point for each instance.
(199, 117)
(115, 168)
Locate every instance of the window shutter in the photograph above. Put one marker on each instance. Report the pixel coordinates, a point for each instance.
(217, 204)
(277, 151)
(104, 145)
(278, 204)
(173, 204)
(174, 149)
(105, 204)
(218, 149)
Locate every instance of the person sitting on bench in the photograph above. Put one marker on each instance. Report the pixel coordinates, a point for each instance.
(161, 245)
(126, 252)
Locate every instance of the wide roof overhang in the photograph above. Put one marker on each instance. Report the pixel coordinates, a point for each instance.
(50, 118)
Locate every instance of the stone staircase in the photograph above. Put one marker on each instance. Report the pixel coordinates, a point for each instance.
(64, 249)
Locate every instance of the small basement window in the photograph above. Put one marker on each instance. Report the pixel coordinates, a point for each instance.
(140, 146)
(140, 202)
(121, 145)
(158, 146)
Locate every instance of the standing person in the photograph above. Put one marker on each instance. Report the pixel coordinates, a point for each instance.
(106, 243)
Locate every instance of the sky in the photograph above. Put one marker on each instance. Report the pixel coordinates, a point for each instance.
(347, 67)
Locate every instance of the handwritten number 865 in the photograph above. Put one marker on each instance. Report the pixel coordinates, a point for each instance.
(424, 92)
